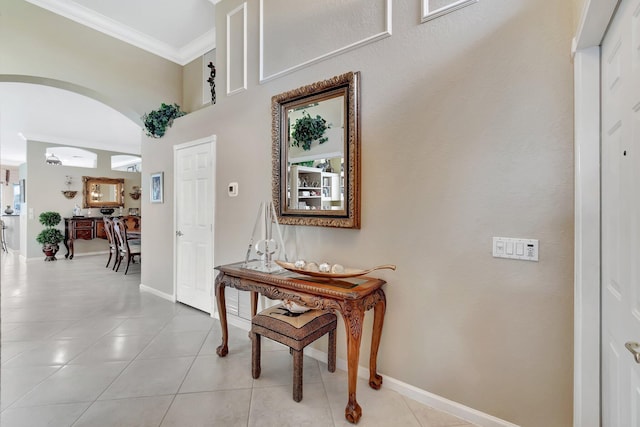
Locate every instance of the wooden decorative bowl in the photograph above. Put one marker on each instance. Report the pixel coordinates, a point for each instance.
(348, 272)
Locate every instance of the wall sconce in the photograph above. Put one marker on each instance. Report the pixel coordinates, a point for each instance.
(135, 195)
(69, 194)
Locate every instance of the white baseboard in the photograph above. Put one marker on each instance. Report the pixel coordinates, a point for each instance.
(169, 297)
(433, 400)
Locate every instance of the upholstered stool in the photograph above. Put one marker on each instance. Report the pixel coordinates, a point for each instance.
(296, 331)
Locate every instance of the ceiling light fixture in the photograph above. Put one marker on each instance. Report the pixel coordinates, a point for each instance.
(53, 160)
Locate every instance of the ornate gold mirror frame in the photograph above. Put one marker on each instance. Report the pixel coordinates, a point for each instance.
(319, 184)
(102, 192)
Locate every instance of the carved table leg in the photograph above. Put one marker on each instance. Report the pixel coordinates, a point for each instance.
(353, 316)
(67, 236)
(223, 349)
(254, 303)
(375, 380)
(254, 308)
(69, 246)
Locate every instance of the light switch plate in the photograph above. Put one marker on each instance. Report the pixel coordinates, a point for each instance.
(514, 248)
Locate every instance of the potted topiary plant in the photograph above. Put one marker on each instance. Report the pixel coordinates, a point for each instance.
(50, 237)
(308, 129)
(156, 122)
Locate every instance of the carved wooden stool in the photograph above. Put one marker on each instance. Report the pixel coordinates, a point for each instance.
(296, 331)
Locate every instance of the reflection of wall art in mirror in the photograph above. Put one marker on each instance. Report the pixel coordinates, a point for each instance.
(309, 182)
(156, 183)
(102, 192)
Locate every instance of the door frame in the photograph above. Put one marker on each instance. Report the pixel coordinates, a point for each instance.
(595, 18)
(211, 139)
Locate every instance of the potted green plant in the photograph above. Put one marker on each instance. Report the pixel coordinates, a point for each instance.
(50, 237)
(308, 129)
(156, 121)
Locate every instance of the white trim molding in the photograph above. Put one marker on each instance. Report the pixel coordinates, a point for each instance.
(587, 282)
(594, 22)
(428, 14)
(118, 30)
(233, 52)
(154, 291)
(386, 32)
(586, 352)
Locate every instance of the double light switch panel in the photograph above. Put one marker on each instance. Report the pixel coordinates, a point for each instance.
(509, 247)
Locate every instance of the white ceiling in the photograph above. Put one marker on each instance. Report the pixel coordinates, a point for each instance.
(179, 31)
(43, 113)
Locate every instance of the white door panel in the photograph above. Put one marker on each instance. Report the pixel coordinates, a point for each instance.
(194, 224)
(621, 216)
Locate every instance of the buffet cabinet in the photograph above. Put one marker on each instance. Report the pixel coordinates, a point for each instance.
(87, 228)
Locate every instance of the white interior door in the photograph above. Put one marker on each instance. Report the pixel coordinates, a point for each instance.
(194, 213)
(621, 217)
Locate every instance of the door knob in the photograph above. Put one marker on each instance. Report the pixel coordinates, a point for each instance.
(633, 347)
(179, 233)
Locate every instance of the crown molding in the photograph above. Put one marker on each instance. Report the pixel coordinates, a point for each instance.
(113, 28)
(198, 47)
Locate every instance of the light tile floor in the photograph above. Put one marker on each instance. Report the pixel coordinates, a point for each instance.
(82, 346)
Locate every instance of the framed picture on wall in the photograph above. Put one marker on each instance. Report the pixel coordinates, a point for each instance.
(156, 185)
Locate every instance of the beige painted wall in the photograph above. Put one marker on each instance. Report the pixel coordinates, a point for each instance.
(466, 134)
(192, 85)
(36, 42)
(44, 185)
(470, 113)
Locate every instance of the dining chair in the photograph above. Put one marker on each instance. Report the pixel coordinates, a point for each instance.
(111, 238)
(126, 249)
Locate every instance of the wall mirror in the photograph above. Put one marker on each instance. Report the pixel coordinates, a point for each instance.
(316, 153)
(102, 192)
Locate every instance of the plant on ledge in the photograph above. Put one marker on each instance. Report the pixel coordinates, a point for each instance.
(156, 121)
(50, 237)
(307, 129)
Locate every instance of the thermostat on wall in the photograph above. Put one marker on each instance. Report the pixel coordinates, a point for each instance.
(232, 189)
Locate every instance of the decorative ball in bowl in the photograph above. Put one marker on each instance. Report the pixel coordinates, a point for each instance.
(106, 211)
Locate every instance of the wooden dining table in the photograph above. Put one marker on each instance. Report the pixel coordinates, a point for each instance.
(351, 297)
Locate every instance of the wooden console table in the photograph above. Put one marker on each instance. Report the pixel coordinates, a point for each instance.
(87, 228)
(350, 297)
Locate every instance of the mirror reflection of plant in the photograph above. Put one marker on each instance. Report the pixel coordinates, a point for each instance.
(156, 121)
(307, 129)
